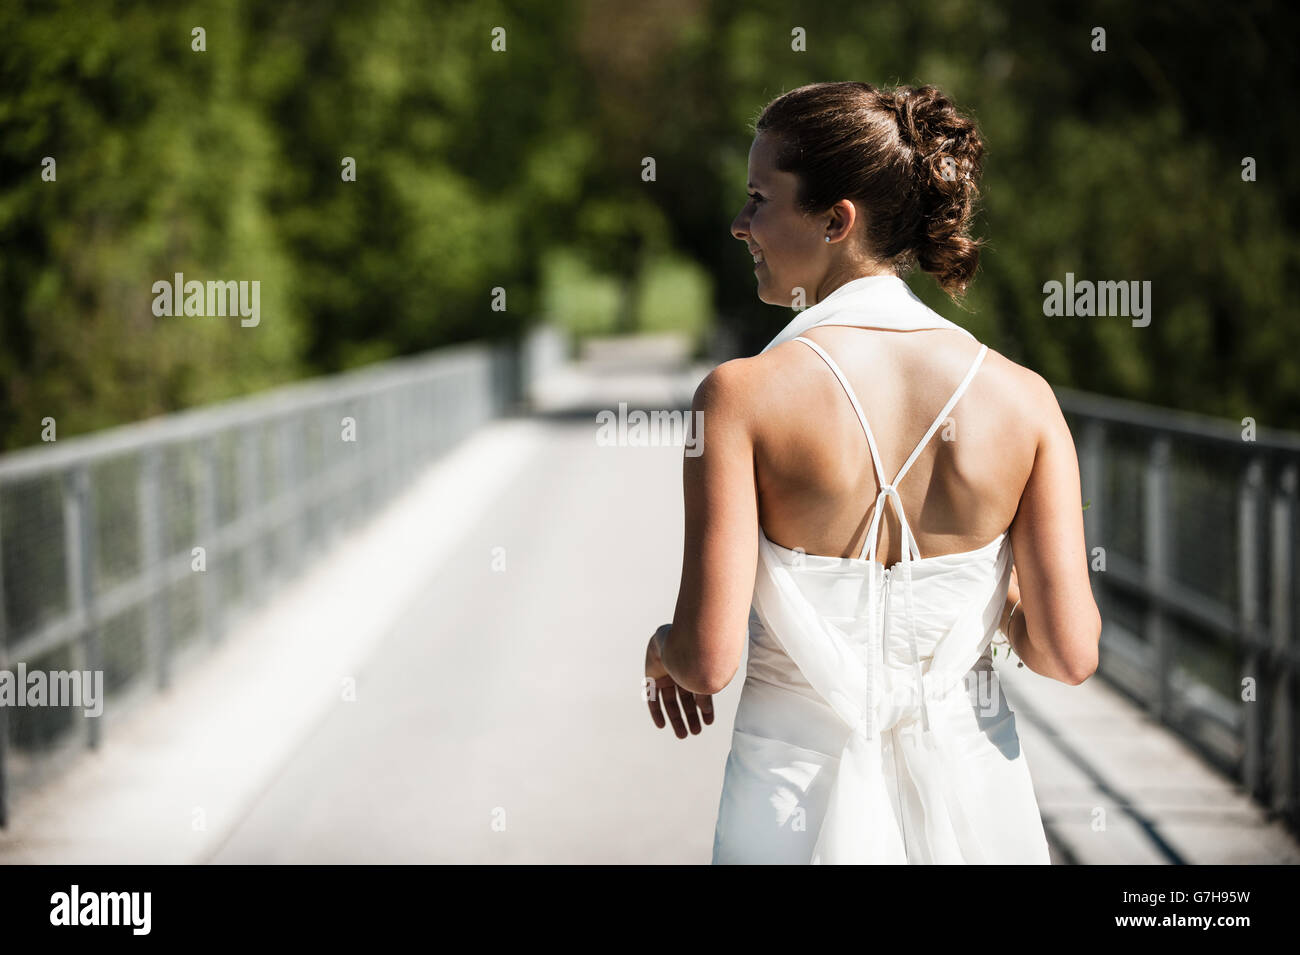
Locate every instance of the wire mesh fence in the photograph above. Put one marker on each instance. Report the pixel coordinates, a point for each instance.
(124, 551)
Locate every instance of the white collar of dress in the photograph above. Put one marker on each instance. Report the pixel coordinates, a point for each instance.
(873, 301)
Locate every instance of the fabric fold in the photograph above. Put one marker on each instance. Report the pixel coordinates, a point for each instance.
(860, 824)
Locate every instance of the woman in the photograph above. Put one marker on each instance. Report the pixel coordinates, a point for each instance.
(863, 484)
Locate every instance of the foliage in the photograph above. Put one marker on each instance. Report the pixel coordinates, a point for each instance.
(522, 170)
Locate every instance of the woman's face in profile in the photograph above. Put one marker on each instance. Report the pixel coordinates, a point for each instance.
(788, 246)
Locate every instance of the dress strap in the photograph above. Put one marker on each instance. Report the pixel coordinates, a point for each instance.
(857, 407)
(956, 396)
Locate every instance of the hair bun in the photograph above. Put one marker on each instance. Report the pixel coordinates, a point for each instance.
(948, 154)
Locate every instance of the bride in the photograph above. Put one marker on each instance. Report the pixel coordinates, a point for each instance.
(878, 496)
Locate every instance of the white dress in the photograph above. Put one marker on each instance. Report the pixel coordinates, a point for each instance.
(871, 727)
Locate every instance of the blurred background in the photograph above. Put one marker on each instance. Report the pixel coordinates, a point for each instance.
(499, 269)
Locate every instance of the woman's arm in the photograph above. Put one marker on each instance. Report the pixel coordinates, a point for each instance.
(1057, 628)
(702, 651)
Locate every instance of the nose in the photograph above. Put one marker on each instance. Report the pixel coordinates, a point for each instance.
(739, 224)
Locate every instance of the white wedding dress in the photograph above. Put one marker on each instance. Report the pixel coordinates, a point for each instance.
(871, 727)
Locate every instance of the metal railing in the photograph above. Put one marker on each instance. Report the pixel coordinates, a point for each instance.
(121, 550)
(1191, 524)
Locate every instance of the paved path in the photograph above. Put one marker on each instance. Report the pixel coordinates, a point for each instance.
(502, 720)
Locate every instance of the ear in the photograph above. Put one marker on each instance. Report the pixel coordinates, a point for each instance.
(841, 219)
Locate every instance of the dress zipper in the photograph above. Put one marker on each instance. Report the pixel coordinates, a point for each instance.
(898, 775)
(884, 614)
(884, 609)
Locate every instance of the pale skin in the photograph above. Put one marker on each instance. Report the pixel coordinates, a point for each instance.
(785, 451)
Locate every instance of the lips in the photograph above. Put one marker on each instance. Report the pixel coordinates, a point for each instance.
(758, 256)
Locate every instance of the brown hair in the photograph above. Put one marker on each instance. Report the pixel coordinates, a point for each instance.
(906, 156)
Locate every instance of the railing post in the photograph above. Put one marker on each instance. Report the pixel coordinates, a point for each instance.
(301, 485)
(374, 459)
(1248, 622)
(429, 415)
(330, 473)
(291, 485)
(149, 511)
(393, 435)
(250, 511)
(1282, 623)
(437, 414)
(347, 464)
(4, 665)
(410, 431)
(206, 525)
(392, 470)
(79, 548)
(1156, 537)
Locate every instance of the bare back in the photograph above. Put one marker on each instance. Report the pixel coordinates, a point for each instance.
(813, 467)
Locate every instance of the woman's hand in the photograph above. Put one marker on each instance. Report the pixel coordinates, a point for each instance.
(659, 686)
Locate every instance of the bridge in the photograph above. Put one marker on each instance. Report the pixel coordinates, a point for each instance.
(398, 615)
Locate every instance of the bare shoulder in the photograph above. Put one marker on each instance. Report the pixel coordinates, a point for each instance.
(728, 390)
(743, 387)
(1023, 393)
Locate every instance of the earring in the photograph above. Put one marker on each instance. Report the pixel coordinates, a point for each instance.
(828, 238)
